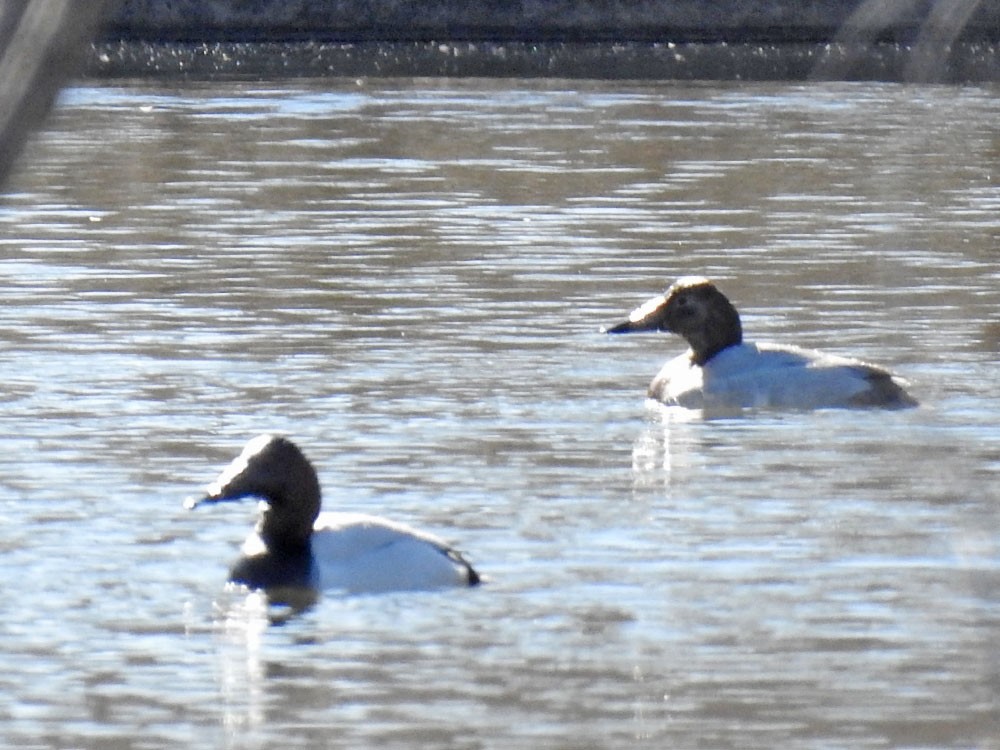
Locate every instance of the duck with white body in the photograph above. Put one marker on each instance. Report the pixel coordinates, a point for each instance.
(294, 545)
(720, 370)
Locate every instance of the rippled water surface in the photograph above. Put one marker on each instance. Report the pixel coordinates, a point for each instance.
(409, 277)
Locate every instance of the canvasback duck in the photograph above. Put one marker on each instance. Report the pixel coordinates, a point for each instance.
(720, 370)
(296, 546)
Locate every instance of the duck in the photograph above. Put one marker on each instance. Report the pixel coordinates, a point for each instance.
(721, 371)
(295, 546)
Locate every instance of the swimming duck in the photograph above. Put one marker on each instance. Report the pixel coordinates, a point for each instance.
(722, 371)
(296, 546)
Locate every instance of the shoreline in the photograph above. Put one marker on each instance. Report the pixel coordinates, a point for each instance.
(965, 62)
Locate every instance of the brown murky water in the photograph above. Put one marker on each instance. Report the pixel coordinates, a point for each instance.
(409, 276)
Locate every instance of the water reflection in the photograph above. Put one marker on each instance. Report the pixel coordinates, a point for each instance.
(241, 625)
(665, 444)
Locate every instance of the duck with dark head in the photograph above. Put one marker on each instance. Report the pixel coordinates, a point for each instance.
(294, 545)
(721, 370)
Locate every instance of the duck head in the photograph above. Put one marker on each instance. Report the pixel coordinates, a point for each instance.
(273, 469)
(694, 309)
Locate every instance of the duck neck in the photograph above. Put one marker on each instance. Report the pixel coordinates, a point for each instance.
(286, 523)
(722, 332)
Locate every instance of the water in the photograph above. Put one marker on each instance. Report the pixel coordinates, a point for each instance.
(408, 276)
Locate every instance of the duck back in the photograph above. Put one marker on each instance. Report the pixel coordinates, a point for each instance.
(770, 375)
(361, 553)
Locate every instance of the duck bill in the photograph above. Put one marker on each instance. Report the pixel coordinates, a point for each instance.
(217, 492)
(234, 483)
(190, 503)
(647, 317)
(625, 327)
